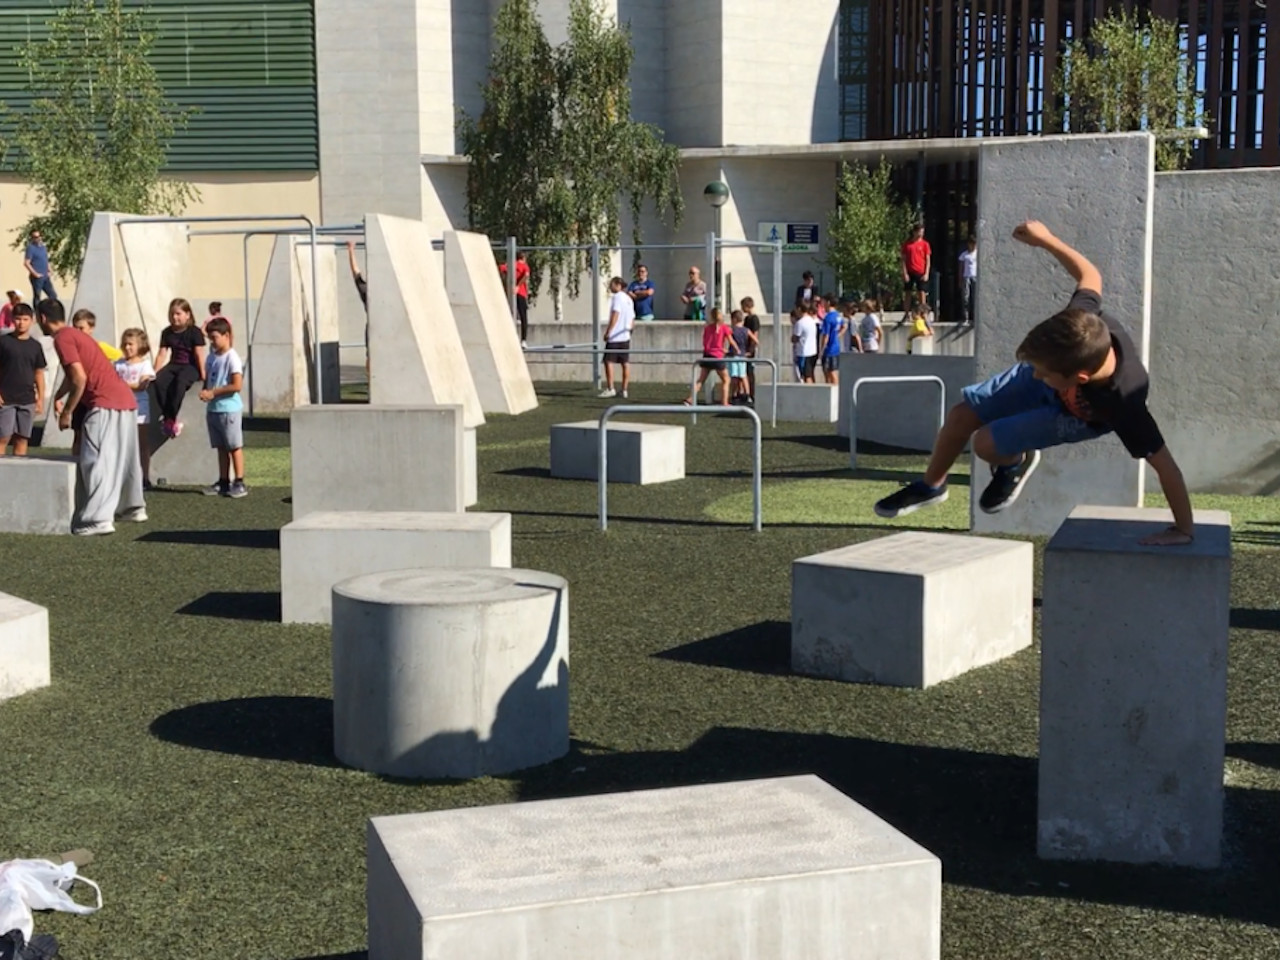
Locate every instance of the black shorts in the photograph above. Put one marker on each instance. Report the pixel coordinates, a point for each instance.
(713, 363)
(916, 283)
(806, 365)
(831, 364)
(619, 351)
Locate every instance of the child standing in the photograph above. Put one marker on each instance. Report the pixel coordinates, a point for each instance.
(85, 321)
(22, 366)
(717, 344)
(804, 338)
(135, 369)
(829, 340)
(869, 330)
(179, 364)
(223, 374)
(849, 310)
(743, 342)
(752, 323)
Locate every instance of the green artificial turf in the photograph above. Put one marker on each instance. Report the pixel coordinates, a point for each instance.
(186, 738)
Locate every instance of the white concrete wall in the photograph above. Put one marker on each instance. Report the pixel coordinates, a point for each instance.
(1213, 354)
(647, 20)
(695, 73)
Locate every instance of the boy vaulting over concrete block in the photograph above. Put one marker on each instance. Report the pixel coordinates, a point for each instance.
(1079, 377)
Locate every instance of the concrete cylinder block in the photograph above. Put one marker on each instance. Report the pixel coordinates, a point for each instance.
(450, 672)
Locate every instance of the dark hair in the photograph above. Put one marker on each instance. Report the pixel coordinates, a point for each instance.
(972, 238)
(640, 266)
(23, 310)
(748, 303)
(1068, 343)
(51, 311)
(218, 325)
(215, 307)
(917, 226)
(807, 275)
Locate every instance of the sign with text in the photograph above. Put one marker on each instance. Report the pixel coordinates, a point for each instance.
(795, 237)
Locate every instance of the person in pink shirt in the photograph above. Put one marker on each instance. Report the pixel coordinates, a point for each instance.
(12, 299)
(717, 346)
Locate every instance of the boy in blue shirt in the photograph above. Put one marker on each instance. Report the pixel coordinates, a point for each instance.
(833, 327)
(641, 291)
(223, 373)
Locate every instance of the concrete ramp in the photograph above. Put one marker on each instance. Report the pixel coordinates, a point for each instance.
(483, 315)
(416, 355)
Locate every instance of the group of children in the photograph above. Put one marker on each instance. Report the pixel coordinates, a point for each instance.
(721, 343)
(180, 363)
(821, 326)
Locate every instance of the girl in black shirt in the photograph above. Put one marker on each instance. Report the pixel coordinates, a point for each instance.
(179, 364)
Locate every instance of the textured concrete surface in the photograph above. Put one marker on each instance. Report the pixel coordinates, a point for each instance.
(801, 402)
(781, 869)
(415, 350)
(450, 672)
(24, 646)
(911, 609)
(1216, 279)
(638, 452)
(899, 414)
(489, 335)
(39, 495)
(186, 460)
(1133, 690)
(323, 548)
(393, 458)
(1096, 194)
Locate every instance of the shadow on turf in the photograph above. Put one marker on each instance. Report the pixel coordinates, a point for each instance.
(298, 729)
(976, 811)
(236, 606)
(258, 539)
(1249, 618)
(758, 648)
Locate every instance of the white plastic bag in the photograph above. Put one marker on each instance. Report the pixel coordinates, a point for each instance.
(27, 885)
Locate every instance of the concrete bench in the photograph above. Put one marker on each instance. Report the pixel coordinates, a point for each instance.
(801, 402)
(782, 869)
(450, 672)
(185, 460)
(638, 452)
(1133, 689)
(911, 609)
(24, 646)
(369, 457)
(39, 494)
(322, 549)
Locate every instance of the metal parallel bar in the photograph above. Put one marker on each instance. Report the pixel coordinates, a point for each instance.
(678, 409)
(596, 334)
(777, 304)
(511, 279)
(750, 361)
(853, 407)
(712, 292)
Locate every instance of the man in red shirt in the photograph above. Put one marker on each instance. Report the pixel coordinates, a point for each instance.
(101, 408)
(522, 293)
(917, 261)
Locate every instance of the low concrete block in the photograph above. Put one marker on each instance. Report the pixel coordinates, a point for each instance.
(450, 672)
(782, 869)
(1133, 689)
(185, 460)
(638, 452)
(902, 414)
(39, 495)
(910, 610)
(24, 646)
(322, 549)
(800, 402)
(371, 457)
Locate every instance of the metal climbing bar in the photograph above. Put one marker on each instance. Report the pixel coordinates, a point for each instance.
(853, 407)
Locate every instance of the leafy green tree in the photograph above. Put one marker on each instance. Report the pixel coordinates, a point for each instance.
(1130, 73)
(98, 128)
(867, 228)
(554, 153)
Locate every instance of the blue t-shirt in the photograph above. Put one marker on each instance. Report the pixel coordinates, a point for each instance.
(831, 330)
(644, 305)
(38, 254)
(218, 370)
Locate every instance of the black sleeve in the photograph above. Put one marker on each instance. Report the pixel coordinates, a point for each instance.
(362, 288)
(1090, 301)
(1137, 429)
(166, 339)
(38, 354)
(195, 337)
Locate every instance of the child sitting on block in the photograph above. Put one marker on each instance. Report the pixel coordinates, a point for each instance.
(1080, 376)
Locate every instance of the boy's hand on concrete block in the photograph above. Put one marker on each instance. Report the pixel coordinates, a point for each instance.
(1033, 233)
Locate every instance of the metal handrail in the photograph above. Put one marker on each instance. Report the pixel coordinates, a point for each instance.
(603, 460)
(853, 407)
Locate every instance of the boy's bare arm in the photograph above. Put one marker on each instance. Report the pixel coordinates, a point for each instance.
(1175, 491)
(1035, 234)
(39, 390)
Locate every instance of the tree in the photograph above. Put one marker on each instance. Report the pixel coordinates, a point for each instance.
(866, 231)
(554, 152)
(1129, 73)
(98, 128)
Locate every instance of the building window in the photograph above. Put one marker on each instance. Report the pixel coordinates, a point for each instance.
(855, 30)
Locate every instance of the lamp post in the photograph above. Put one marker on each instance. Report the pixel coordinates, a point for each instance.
(716, 193)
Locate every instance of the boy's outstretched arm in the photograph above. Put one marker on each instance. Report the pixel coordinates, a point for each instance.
(1035, 234)
(1175, 491)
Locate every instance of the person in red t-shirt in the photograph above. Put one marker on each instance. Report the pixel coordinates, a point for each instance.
(101, 408)
(522, 293)
(917, 262)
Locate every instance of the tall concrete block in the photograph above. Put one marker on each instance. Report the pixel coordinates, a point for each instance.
(394, 458)
(415, 350)
(483, 314)
(1133, 689)
(1096, 193)
(900, 414)
(24, 646)
(782, 869)
(911, 609)
(39, 495)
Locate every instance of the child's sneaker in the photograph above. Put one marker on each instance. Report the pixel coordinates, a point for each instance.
(608, 394)
(237, 490)
(177, 429)
(1007, 483)
(909, 499)
(624, 395)
(220, 488)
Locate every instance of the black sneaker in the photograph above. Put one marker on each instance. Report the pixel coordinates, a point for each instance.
(237, 490)
(220, 488)
(1007, 483)
(909, 499)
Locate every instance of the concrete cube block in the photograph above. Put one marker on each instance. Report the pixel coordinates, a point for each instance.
(24, 646)
(372, 457)
(322, 549)
(1133, 689)
(638, 452)
(39, 495)
(800, 402)
(911, 609)
(781, 869)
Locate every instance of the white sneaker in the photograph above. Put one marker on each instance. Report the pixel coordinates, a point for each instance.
(138, 515)
(624, 395)
(524, 345)
(607, 394)
(93, 529)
